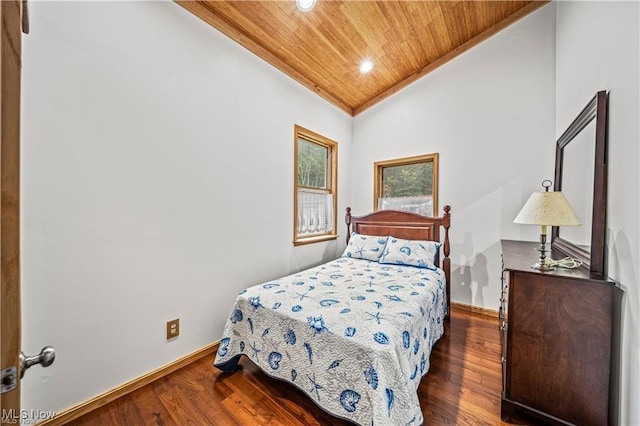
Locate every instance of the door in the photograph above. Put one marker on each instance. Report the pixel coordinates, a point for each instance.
(10, 320)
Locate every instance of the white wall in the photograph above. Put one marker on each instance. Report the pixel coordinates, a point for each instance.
(598, 48)
(490, 114)
(157, 182)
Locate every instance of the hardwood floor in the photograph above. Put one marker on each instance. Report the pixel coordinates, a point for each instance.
(462, 388)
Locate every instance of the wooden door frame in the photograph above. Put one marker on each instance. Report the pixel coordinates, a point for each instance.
(10, 87)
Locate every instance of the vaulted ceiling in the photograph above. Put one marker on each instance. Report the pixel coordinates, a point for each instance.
(323, 48)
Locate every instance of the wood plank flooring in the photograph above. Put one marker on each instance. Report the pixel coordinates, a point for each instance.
(462, 388)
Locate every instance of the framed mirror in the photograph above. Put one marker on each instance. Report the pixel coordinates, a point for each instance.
(581, 174)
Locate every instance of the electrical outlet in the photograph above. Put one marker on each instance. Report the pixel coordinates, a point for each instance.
(173, 328)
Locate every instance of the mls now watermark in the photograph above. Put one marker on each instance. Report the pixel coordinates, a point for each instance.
(26, 417)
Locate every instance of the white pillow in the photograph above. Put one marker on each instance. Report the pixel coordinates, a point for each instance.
(367, 247)
(418, 253)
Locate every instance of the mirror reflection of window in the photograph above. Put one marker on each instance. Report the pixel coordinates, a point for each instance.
(407, 184)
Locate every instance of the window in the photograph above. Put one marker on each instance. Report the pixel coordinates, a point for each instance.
(407, 184)
(315, 192)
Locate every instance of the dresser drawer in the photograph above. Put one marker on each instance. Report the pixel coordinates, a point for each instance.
(504, 299)
(502, 321)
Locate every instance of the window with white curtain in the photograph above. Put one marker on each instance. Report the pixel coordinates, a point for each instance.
(407, 184)
(316, 178)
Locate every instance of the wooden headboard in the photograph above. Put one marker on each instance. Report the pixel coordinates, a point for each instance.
(408, 226)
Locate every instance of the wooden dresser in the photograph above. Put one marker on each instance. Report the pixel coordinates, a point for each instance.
(556, 330)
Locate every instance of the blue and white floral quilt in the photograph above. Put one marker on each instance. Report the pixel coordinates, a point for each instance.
(355, 335)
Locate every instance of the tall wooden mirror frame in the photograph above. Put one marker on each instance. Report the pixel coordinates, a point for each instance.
(594, 258)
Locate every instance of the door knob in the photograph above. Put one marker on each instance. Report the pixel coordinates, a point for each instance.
(45, 358)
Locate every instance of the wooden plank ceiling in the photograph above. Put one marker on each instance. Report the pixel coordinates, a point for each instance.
(323, 48)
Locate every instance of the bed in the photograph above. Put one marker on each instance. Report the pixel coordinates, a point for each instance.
(355, 334)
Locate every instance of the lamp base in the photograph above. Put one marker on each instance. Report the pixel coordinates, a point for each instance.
(543, 267)
(541, 264)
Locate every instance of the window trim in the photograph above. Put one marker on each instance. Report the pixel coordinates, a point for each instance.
(426, 158)
(301, 132)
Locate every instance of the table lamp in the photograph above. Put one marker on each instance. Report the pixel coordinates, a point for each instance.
(546, 209)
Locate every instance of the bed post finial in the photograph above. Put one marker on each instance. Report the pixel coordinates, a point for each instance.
(447, 224)
(446, 262)
(347, 220)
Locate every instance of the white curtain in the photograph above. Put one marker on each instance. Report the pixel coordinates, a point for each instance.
(315, 212)
(422, 204)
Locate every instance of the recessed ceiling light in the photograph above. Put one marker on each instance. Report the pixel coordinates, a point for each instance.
(305, 5)
(366, 66)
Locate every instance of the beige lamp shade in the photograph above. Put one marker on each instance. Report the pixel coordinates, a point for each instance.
(547, 208)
